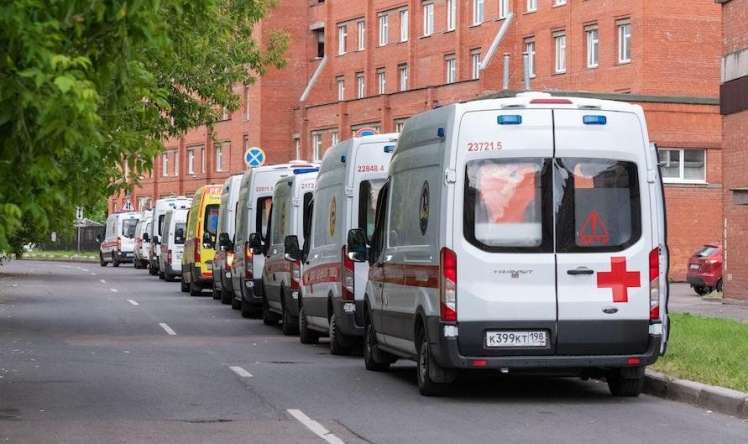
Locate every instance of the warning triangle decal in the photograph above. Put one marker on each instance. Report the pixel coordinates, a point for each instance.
(593, 231)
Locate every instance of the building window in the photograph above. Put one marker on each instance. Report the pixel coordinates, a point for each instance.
(682, 165)
(478, 11)
(360, 86)
(559, 43)
(451, 15)
(340, 82)
(404, 25)
(342, 39)
(530, 50)
(593, 46)
(191, 161)
(384, 29)
(219, 155)
(399, 125)
(381, 81)
(175, 154)
(503, 8)
(319, 36)
(202, 158)
(559, 2)
(402, 71)
(450, 69)
(428, 19)
(475, 64)
(165, 164)
(316, 145)
(297, 147)
(624, 41)
(225, 113)
(532, 5)
(246, 103)
(334, 139)
(361, 34)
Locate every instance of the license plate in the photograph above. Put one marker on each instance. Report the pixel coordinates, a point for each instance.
(516, 338)
(694, 266)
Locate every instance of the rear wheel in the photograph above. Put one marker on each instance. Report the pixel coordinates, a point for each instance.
(374, 359)
(627, 381)
(719, 286)
(153, 271)
(268, 317)
(195, 290)
(306, 335)
(226, 297)
(115, 262)
(162, 275)
(248, 310)
(700, 290)
(339, 343)
(236, 304)
(184, 285)
(427, 368)
(168, 277)
(102, 262)
(290, 326)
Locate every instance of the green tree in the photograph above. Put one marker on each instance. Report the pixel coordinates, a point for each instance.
(89, 86)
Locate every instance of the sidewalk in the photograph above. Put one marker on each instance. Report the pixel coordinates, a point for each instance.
(684, 300)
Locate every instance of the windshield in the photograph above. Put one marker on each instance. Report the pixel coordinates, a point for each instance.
(179, 230)
(706, 251)
(211, 219)
(128, 227)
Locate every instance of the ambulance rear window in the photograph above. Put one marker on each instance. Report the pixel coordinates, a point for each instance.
(211, 219)
(504, 205)
(128, 227)
(599, 205)
(179, 240)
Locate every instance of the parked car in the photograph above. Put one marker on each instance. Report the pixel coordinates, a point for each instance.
(705, 269)
(157, 224)
(281, 276)
(119, 239)
(172, 244)
(142, 242)
(222, 284)
(332, 302)
(200, 241)
(519, 234)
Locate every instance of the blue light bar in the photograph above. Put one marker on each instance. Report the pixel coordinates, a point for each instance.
(509, 119)
(389, 148)
(305, 170)
(440, 132)
(595, 120)
(342, 159)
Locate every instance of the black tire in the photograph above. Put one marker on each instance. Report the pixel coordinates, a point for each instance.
(374, 359)
(153, 271)
(226, 297)
(289, 325)
(170, 277)
(162, 275)
(718, 287)
(236, 304)
(425, 365)
(339, 343)
(184, 286)
(115, 262)
(700, 290)
(268, 317)
(195, 290)
(306, 335)
(249, 310)
(102, 262)
(626, 382)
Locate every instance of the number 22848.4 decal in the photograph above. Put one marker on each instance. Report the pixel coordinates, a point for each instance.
(369, 168)
(477, 147)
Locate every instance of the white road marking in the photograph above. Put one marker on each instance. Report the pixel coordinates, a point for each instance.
(316, 428)
(102, 281)
(167, 329)
(240, 371)
(114, 290)
(133, 302)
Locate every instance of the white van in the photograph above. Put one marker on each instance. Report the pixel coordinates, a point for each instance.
(119, 239)
(253, 214)
(351, 175)
(520, 234)
(225, 252)
(281, 277)
(157, 223)
(172, 244)
(142, 248)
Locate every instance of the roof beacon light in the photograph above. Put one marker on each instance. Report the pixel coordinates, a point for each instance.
(509, 119)
(305, 170)
(595, 120)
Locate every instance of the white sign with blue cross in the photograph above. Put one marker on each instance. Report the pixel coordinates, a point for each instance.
(254, 157)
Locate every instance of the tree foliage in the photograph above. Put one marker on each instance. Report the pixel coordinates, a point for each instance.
(87, 86)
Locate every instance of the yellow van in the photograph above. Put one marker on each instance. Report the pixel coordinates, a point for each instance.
(200, 240)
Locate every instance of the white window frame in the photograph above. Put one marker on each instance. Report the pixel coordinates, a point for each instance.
(360, 85)
(559, 2)
(404, 25)
(451, 15)
(532, 5)
(592, 38)
(428, 19)
(559, 53)
(361, 35)
(165, 163)
(504, 8)
(384, 29)
(450, 69)
(682, 169)
(342, 39)
(475, 64)
(381, 81)
(191, 161)
(297, 147)
(402, 75)
(176, 163)
(530, 50)
(340, 82)
(479, 11)
(399, 125)
(624, 41)
(316, 145)
(246, 103)
(202, 157)
(219, 156)
(334, 138)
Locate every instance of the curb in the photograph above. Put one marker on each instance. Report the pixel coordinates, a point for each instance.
(59, 259)
(718, 399)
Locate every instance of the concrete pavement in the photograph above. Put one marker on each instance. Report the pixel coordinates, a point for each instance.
(684, 300)
(79, 362)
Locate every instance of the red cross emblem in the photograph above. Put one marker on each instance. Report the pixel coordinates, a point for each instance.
(618, 279)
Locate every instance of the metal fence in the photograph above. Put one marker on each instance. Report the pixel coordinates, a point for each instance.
(71, 242)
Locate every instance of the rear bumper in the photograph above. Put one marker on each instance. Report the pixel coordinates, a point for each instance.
(702, 280)
(201, 279)
(124, 256)
(446, 351)
(346, 317)
(252, 292)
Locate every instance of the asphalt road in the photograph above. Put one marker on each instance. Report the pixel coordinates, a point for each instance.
(86, 356)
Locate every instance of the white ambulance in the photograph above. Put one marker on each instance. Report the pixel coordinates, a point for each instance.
(119, 239)
(520, 234)
(142, 248)
(225, 252)
(351, 175)
(290, 218)
(172, 244)
(253, 213)
(157, 223)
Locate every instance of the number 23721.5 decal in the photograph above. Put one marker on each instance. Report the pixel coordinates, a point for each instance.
(476, 147)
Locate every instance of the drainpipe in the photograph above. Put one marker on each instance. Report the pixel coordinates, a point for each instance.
(496, 41)
(313, 80)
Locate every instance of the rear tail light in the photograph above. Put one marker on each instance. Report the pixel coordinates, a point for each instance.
(229, 261)
(346, 276)
(197, 250)
(448, 285)
(295, 275)
(249, 256)
(168, 256)
(654, 285)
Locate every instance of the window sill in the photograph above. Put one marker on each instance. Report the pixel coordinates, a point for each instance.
(559, 5)
(692, 183)
(593, 66)
(449, 31)
(530, 12)
(475, 25)
(624, 62)
(427, 36)
(559, 73)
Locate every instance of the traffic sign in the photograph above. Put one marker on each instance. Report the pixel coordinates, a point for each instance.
(254, 157)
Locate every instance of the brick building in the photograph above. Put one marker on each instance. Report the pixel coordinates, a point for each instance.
(375, 63)
(734, 103)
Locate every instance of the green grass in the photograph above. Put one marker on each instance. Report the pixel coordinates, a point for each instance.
(707, 350)
(61, 254)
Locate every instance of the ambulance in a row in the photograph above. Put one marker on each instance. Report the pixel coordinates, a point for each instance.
(153, 235)
(118, 244)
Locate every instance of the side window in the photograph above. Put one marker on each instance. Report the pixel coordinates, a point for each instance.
(322, 216)
(377, 237)
(280, 220)
(368, 192)
(262, 214)
(161, 224)
(600, 205)
(307, 215)
(414, 207)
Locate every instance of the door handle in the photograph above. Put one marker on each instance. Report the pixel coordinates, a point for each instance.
(580, 271)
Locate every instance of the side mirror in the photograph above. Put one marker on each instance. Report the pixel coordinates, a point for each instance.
(208, 240)
(291, 247)
(179, 236)
(146, 237)
(255, 243)
(358, 251)
(224, 242)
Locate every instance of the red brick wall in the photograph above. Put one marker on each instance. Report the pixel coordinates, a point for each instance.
(735, 31)
(735, 165)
